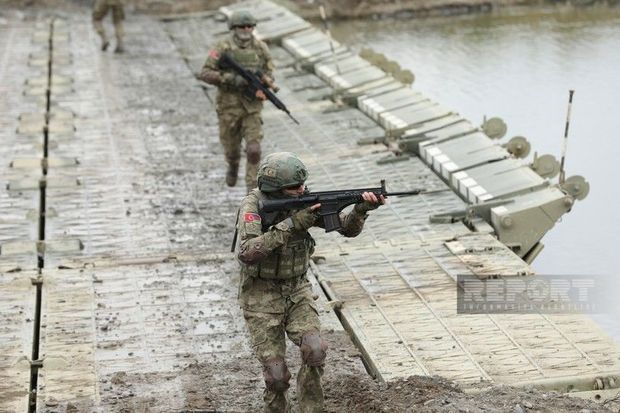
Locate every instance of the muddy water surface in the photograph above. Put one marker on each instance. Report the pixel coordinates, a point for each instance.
(520, 65)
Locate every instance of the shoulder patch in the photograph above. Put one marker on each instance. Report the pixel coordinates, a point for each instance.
(214, 54)
(251, 217)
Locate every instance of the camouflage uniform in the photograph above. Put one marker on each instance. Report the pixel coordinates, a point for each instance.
(238, 115)
(276, 297)
(118, 15)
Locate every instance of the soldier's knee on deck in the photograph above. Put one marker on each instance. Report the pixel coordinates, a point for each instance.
(253, 152)
(313, 349)
(276, 374)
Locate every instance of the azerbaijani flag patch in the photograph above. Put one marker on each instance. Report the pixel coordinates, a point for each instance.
(251, 217)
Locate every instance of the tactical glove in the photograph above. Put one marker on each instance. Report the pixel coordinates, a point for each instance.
(366, 206)
(233, 79)
(304, 219)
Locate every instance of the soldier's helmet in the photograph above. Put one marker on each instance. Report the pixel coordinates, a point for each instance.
(281, 170)
(241, 18)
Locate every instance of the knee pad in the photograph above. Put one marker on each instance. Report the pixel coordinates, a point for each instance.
(276, 374)
(313, 349)
(253, 152)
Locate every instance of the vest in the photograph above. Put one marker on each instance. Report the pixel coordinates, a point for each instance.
(287, 261)
(251, 58)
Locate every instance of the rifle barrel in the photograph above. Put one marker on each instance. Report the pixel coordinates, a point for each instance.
(406, 193)
(291, 116)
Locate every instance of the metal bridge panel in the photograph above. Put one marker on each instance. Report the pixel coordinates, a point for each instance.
(408, 117)
(17, 310)
(495, 180)
(19, 186)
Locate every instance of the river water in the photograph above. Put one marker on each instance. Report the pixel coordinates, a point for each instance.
(519, 64)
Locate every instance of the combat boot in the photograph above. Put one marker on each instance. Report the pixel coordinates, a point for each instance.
(119, 47)
(101, 32)
(231, 174)
(119, 31)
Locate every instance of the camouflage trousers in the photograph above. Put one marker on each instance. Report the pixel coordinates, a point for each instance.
(118, 15)
(268, 331)
(237, 126)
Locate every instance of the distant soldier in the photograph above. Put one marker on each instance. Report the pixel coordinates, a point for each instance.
(274, 292)
(238, 113)
(118, 15)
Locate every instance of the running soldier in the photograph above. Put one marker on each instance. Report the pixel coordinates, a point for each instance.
(118, 15)
(274, 292)
(239, 114)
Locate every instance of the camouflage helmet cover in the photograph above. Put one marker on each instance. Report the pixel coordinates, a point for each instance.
(280, 170)
(241, 18)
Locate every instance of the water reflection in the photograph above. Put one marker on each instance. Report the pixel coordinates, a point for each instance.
(520, 65)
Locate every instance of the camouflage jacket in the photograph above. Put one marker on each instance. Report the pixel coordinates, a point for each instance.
(254, 57)
(277, 258)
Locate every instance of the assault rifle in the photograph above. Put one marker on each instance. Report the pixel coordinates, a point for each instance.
(255, 82)
(332, 202)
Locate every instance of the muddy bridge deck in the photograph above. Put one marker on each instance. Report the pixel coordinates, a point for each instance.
(117, 287)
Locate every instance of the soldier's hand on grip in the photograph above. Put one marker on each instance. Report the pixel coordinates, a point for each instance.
(269, 83)
(306, 218)
(234, 80)
(239, 82)
(260, 95)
